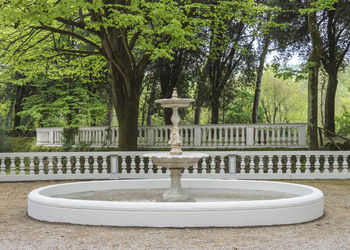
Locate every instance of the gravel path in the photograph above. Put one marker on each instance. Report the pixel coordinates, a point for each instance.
(18, 231)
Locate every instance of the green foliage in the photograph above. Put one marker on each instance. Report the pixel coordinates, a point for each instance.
(5, 144)
(239, 110)
(22, 144)
(343, 122)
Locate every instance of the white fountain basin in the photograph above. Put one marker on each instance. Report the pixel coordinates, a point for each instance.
(305, 205)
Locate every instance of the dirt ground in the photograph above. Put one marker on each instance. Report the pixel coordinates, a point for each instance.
(19, 231)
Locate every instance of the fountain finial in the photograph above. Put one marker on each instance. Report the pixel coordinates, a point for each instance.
(174, 95)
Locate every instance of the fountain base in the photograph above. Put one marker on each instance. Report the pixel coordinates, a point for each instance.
(306, 204)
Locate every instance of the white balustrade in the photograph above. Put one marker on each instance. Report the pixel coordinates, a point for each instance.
(219, 164)
(194, 136)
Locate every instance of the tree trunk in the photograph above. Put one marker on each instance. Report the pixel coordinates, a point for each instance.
(330, 102)
(314, 66)
(197, 115)
(260, 72)
(151, 100)
(18, 106)
(126, 105)
(215, 111)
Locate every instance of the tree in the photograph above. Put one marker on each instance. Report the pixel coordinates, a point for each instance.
(314, 66)
(127, 34)
(336, 45)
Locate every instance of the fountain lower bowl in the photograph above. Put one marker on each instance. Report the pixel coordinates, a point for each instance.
(307, 205)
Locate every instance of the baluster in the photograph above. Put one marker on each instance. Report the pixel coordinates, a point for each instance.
(204, 136)
(335, 164)
(270, 165)
(251, 165)
(69, 165)
(132, 165)
(289, 165)
(140, 130)
(195, 169)
(59, 165)
(261, 164)
(326, 164)
(77, 165)
(150, 166)
(215, 141)
(86, 165)
(295, 142)
(307, 165)
(242, 141)
(192, 136)
(238, 141)
(222, 164)
(31, 165)
(124, 164)
(159, 169)
(21, 165)
(256, 141)
(220, 136)
(2, 166)
(262, 131)
(12, 168)
(290, 136)
(226, 142)
(267, 136)
(50, 165)
(212, 165)
(185, 136)
(113, 136)
(186, 171)
(95, 165)
(279, 164)
(41, 165)
(298, 165)
(317, 164)
(104, 164)
(345, 165)
(278, 142)
(142, 165)
(204, 166)
(230, 138)
(166, 137)
(273, 136)
(284, 136)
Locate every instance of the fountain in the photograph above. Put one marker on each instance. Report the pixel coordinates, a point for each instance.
(175, 160)
(188, 202)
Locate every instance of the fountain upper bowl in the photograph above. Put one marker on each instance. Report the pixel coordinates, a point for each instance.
(168, 160)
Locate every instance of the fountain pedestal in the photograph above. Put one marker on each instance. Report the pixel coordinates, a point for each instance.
(176, 193)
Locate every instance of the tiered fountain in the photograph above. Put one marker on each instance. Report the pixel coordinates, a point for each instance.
(202, 202)
(175, 160)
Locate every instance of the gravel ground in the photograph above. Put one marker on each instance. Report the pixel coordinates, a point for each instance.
(18, 231)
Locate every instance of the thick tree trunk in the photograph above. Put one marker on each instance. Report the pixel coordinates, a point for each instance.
(126, 105)
(197, 115)
(330, 102)
(314, 62)
(215, 111)
(260, 72)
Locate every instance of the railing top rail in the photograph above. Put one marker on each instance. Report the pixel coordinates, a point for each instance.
(190, 125)
(140, 153)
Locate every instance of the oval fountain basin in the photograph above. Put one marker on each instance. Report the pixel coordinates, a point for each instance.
(289, 204)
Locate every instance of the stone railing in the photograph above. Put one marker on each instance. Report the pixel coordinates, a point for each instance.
(194, 136)
(219, 164)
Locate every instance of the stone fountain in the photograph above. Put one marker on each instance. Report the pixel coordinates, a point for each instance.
(175, 160)
(215, 203)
